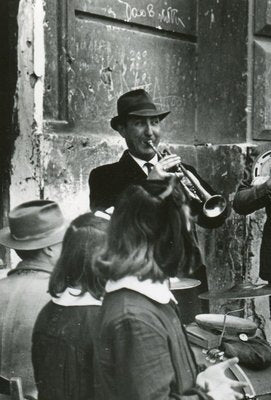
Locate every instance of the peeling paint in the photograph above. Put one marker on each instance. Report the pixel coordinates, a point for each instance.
(33, 79)
(26, 179)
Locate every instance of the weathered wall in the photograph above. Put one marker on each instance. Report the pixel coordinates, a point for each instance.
(8, 78)
(260, 38)
(222, 71)
(26, 177)
(68, 160)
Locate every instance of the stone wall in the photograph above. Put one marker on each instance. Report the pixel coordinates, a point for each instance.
(26, 163)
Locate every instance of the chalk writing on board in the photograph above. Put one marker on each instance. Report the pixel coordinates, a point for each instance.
(170, 16)
(134, 12)
(112, 13)
(167, 15)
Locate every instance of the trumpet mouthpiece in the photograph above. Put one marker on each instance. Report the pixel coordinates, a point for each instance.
(150, 143)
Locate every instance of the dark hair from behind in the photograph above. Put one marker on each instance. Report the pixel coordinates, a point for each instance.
(148, 234)
(74, 267)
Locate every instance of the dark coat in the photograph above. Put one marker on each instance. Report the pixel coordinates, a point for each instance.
(248, 199)
(62, 352)
(143, 352)
(107, 182)
(23, 294)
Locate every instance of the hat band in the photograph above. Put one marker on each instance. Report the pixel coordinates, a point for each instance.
(137, 107)
(38, 235)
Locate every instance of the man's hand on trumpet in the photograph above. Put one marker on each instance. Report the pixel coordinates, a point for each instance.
(259, 180)
(161, 169)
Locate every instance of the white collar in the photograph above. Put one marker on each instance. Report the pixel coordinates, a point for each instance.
(141, 162)
(103, 214)
(154, 290)
(71, 297)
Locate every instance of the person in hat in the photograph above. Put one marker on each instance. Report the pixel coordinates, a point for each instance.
(139, 121)
(36, 230)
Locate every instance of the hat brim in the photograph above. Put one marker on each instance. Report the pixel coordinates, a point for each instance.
(55, 237)
(115, 121)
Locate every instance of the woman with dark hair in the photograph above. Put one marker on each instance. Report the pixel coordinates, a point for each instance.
(63, 336)
(143, 353)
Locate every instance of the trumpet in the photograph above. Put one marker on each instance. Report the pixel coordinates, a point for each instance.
(212, 205)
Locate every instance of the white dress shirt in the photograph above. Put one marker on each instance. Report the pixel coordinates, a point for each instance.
(142, 163)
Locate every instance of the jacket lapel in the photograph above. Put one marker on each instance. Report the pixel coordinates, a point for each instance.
(130, 169)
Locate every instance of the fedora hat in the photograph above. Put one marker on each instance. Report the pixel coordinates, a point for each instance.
(136, 102)
(34, 225)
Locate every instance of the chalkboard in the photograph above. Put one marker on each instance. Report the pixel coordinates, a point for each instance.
(171, 15)
(105, 48)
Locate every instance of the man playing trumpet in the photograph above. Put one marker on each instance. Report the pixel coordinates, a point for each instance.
(139, 123)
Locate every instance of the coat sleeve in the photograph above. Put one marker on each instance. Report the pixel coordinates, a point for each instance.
(202, 219)
(250, 198)
(94, 192)
(99, 189)
(143, 366)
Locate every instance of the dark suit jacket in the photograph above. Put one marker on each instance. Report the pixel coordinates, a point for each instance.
(248, 199)
(107, 182)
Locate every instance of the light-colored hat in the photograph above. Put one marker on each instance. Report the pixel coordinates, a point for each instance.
(34, 225)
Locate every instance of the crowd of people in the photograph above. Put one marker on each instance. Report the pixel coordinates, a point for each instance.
(88, 312)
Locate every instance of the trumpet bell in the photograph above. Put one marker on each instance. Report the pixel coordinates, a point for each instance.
(214, 206)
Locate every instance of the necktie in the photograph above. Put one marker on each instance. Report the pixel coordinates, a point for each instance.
(149, 166)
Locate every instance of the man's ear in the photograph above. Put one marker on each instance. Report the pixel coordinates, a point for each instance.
(121, 129)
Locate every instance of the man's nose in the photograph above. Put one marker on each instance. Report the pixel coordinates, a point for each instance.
(148, 128)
